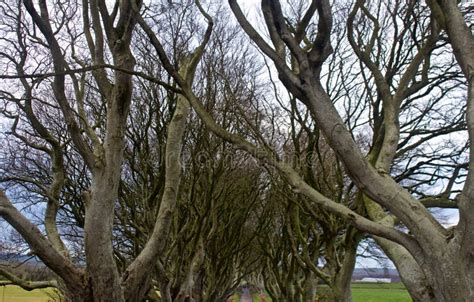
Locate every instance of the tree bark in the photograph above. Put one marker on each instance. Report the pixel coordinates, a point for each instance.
(133, 279)
(101, 267)
(410, 271)
(310, 287)
(343, 280)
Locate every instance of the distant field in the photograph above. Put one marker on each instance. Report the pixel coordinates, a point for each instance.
(12, 293)
(380, 292)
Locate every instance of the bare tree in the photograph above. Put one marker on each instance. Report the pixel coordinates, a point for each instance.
(106, 35)
(439, 258)
(392, 174)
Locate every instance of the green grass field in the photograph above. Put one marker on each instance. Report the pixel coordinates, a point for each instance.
(12, 293)
(370, 292)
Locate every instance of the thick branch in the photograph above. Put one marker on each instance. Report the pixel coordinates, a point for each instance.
(25, 284)
(59, 80)
(40, 246)
(439, 202)
(285, 73)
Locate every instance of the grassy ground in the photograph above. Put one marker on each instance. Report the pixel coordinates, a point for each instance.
(370, 292)
(12, 293)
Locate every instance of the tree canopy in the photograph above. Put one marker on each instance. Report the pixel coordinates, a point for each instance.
(187, 148)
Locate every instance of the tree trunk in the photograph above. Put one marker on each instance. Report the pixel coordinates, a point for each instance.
(75, 295)
(310, 287)
(342, 281)
(440, 276)
(410, 272)
(101, 267)
(134, 279)
(446, 270)
(188, 288)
